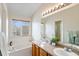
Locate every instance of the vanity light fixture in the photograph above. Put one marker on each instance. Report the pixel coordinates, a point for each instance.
(57, 7)
(61, 4)
(48, 12)
(43, 13)
(51, 10)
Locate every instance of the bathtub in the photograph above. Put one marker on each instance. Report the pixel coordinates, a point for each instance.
(22, 46)
(22, 52)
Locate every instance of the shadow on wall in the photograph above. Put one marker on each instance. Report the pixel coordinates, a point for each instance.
(0, 53)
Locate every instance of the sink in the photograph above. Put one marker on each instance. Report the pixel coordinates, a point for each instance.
(62, 52)
(43, 44)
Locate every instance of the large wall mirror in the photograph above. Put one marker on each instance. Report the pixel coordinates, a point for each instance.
(70, 25)
(70, 28)
(73, 37)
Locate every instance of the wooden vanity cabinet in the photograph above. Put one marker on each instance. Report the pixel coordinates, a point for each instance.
(43, 53)
(37, 51)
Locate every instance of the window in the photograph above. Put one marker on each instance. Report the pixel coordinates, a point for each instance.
(21, 28)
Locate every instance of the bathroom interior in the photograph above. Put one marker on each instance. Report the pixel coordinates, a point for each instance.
(39, 29)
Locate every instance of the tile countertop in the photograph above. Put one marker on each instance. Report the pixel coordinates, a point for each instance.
(47, 47)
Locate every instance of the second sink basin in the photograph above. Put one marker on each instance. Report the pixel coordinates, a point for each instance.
(62, 52)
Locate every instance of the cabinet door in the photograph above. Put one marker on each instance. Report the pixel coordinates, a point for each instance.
(43, 53)
(37, 51)
(33, 50)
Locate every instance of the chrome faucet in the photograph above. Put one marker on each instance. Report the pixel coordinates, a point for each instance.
(68, 49)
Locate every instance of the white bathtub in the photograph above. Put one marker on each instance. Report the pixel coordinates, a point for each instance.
(22, 52)
(21, 46)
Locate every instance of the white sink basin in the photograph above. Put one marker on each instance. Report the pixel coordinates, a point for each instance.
(43, 44)
(62, 52)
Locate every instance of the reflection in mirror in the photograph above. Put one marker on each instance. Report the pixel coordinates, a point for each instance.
(58, 29)
(69, 25)
(43, 30)
(74, 37)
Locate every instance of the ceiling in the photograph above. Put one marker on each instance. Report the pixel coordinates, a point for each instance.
(22, 10)
(26, 10)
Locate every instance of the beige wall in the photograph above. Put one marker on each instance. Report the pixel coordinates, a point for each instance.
(36, 26)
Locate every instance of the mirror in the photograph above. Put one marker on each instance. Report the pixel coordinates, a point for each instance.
(70, 22)
(58, 29)
(70, 25)
(74, 37)
(47, 29)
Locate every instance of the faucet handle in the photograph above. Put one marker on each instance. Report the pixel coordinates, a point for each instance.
(69, 50)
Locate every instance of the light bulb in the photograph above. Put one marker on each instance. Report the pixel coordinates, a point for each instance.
(43, 13)
(61, 3)
(56, 6)
(49, 10)
(53, 9)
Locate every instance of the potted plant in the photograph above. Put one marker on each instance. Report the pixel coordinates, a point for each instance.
(54, 40)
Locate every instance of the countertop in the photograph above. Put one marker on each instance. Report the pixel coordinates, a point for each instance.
(47, 47)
